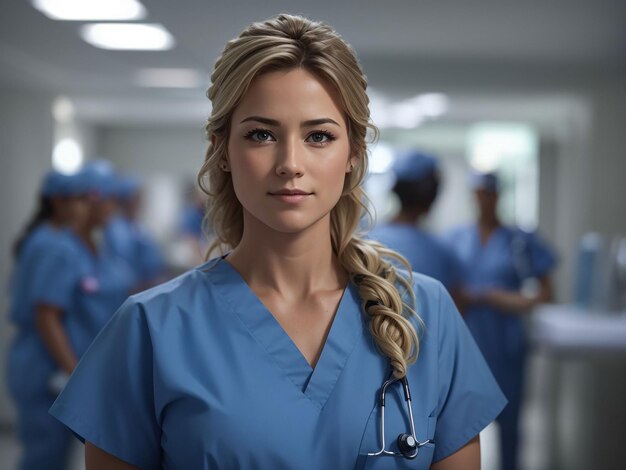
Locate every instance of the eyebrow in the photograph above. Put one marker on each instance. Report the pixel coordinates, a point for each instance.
(274, 122)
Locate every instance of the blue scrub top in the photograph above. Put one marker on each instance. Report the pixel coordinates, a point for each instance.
(505, 261)
(88, 287)
(88, 290)
(41, 241)
(197, 373)
(130, 242)
(425, 252)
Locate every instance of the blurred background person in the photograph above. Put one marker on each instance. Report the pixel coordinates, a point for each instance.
(62, 205)
(497, 260)
(193, 236)
(125, 237)
(63, 292)
(417, 184)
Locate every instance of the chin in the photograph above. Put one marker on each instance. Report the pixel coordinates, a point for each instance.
(292, 223)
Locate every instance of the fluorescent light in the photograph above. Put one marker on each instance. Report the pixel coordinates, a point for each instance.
(127, 36)
(170, 78)
(67, 156)
(91, 10)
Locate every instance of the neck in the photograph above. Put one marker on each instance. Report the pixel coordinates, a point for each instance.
(488, 221)
(290, 264)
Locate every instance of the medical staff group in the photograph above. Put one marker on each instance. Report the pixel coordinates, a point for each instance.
(303, 345)
(66, 283)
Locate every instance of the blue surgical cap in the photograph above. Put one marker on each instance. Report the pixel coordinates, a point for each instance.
(98, 176)
(55, 183)
(485, 181)
(414, 166)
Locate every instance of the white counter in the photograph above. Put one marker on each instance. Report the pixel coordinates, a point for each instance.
(568, 329)
(582, 385)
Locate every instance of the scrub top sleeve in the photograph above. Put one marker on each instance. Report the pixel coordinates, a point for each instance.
(55, 278)
(542, 257)
(468, 395)
(109, 399)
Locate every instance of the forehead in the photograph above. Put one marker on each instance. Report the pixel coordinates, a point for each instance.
(294, 93)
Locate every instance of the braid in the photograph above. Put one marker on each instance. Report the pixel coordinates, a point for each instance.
(380, 288)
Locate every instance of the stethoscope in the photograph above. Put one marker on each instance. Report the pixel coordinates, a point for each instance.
(407, 443)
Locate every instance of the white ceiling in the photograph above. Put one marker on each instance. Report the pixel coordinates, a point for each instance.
(423, 44)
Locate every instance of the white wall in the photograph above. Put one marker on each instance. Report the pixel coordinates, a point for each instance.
(26, 134)
(175, 151)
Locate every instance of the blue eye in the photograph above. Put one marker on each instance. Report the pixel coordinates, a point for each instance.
(259, 135)
(320, 137)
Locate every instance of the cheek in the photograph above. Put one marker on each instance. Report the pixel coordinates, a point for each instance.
(250, 163)
(334, 169)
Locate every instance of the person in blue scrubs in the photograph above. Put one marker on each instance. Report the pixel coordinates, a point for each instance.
(194, 236)
(417, 185)
(126, 238)
(498, 260)
(60, 206)
(274, 354)
(61, 298)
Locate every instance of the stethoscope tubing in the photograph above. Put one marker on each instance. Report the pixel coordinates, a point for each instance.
(407, 398)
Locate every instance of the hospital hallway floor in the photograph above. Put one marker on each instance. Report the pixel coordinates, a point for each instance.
(532, 450)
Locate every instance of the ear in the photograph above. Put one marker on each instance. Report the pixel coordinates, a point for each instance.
(215, 141)
(352, 161)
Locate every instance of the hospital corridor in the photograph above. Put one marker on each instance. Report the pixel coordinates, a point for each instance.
(288, 234)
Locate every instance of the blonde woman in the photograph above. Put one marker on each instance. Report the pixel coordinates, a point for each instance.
(274, 354)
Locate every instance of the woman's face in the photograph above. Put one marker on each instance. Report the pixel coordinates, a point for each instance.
(70, 210)
(288, 151)
(487, 202)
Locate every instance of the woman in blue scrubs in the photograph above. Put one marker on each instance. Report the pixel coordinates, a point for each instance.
(62, 297)
(497, 261)
(60, 205)
(274, 354)
(417, 185)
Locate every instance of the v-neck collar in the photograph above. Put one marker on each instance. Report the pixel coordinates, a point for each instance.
(494, 235)
(315, 383)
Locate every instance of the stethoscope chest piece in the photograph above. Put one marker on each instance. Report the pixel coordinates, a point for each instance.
(407, 446)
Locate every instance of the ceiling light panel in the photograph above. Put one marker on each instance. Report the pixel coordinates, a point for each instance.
(128, 36)
(91, 10)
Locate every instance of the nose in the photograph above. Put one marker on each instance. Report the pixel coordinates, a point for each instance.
(289, 161)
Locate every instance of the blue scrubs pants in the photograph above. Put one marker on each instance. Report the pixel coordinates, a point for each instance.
(46, 443)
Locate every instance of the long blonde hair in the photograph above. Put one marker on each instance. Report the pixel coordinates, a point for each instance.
(288, 42)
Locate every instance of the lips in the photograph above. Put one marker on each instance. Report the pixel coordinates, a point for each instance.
(290, 196)
(290, 192)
